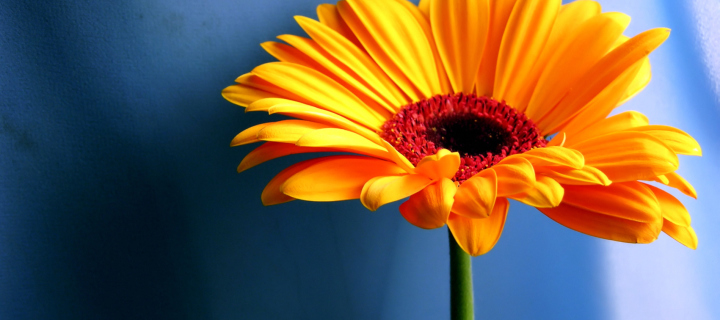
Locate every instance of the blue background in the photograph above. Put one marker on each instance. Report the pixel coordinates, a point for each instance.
(119, 197)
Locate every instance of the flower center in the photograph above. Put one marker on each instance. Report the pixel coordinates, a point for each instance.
(482, 130)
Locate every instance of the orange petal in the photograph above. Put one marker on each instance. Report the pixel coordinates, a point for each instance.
(343, 140)
(248, 135)
(443, 164)
(324, 93)
(287, 131)
(547, 193)
(500, 11)
(678, 182)
(337, 178)
(685, 235)
(478, 236)
(603, 226)
(460, 29)
(287, 53)
(273, 150)
(554, 156)
(476, 196)
(527, 30)
(243, 95)
(628, 156)
(585, 176)
(272, 195)
(398, 158)
(618, 122)
(382, 190)
(514, 175)
(672, 209)
(627, 200)
(396, 41)
(329, 16)
(679, 141)
(430, 208)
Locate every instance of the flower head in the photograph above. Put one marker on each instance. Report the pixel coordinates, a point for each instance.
(452, 103)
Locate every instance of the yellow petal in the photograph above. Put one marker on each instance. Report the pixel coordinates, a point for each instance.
(248, 135)
(618, 122)
(585, 176)
(329, 16)
(627, 200)
(527, 30)
(287, 131)
(424, 7)
(639, 83)
(685, 235)
(382, 190)
(460, 30)
(478, 236)
(398, 158)
(324, 92)
(672, 209)
(499, 14)
(272, 195)
(514, 175)
(547, 193)
(310, 113)
(430, 208)
(443, 164)
(340, 73)
(243, 95)
(396, 41)
(554, 156)
(605, 72)
(355, 59)
(273, 150)
(343, 139)
(336, 178)
(679, 141)
(678, 182)
(603, 226)
(628, 156)
(287, 53)
(476, 196)
(576, 54)
(253, 81)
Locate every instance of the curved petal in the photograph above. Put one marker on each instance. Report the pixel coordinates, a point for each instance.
(243, 95)
(273, 150)
(396, 41)
(603, 226)
(547, 193)
(627, 200)
(527, 31)
(355, 59)
(672, 209)
(679, 141)
(272, 194)
(248, 135)
(322, 91)
(430, 208)
(685, 235)
(500, 11)
(476, 196)
(642, 79)
(443, 164)
(554, 156)
(382, 190)
(342, 139)
(585, 176)
(618, 122)
(514, 175)
(460, 29)
(628, 156)
(678, 182)
(337, 178)
(287, 53)
(398, 158)
(287, 131)
(328, 15)
(478, 236)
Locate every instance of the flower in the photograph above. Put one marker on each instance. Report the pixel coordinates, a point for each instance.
(451, 103)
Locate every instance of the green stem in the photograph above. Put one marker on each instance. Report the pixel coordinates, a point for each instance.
(461, 291)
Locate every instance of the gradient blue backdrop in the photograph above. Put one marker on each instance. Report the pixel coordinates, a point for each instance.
(119, 197)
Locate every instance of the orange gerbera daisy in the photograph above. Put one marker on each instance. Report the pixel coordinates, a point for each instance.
(451, 103)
